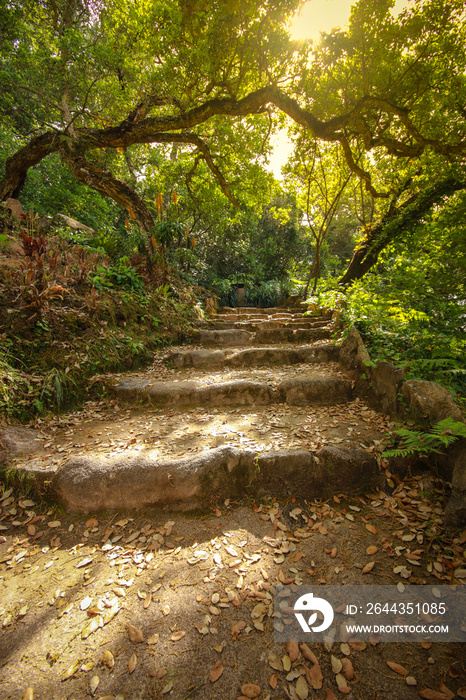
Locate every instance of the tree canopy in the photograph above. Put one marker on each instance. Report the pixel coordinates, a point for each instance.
(195, 89)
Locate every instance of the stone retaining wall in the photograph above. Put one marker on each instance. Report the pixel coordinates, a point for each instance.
(426, 402)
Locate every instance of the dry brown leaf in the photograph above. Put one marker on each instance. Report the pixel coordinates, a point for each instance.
(368, 567)
(70, 671)
(176, 636)
(302, 688)
(132, 663)
(372, 550)
(238, 628)
(135, 634)
(273, 680)
(147, 601)
(216, 672)
(250, 690)
(429, 694)
(342, 685)
(314, 676)
(371, 528)
(108, 659)
(94, 682)
(92, 523)
(461, 692)
(292, 649)
(308, 653)
(153, 639)
(275, 662)
(348, 670)
(337, 664)
(330, 695)
(91, 627)
(397, 668)
(445, 689)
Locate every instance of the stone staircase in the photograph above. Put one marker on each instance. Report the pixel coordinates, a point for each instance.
(259, 405)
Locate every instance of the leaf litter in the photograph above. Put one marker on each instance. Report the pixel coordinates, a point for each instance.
(187, 601)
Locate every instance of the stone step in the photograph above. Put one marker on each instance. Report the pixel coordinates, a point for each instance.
(258, 317)
(238, 336)
(254, 325)
(254, 357)
(301, 391)
(257, 310)
(95, 482)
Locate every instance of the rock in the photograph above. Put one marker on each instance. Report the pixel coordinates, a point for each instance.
(63, 220)
(428, 400)
(301, 391)
(455, 513)
(387, 381)
(353, 353)
(17, 442)
(14, 205)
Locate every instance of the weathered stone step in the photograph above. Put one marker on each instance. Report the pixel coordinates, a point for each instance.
(258, 317)
(257, 310)
(136, 480)
(254, 357)
(296, 391)
(253, 326)
(238, 336)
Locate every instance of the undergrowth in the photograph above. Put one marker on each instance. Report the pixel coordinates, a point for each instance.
(68, 313)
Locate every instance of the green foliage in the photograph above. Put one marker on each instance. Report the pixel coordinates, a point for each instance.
(414, 442)
(121, 275)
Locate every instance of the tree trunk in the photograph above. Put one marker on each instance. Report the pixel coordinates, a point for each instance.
(18, 164)
(394, 225)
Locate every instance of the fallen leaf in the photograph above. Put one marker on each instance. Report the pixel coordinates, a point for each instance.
(132, 663)
(70, 671)
(237, 629)
(250, 690)
(410, 680)
(108, 659)
(292, 649)
(54, 523)
(330, 695)
(216, 672)
(397, 668)
(429, 694)
(302, 688)
(176, 636)
(153, 639)
(91, 627)
(371, 528)
(94, 682)
(444, 689)
(167, 688)
(337, 664)
(372, 550)
(314, 676)
(273, 680)
(368, 567)
(135, 634)
(28, 694)
(308, 653)
(348, 670)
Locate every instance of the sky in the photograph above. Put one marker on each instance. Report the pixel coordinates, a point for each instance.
(316, 16)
